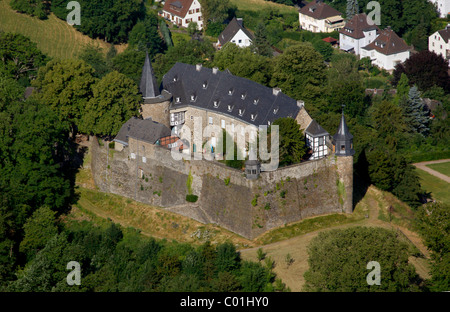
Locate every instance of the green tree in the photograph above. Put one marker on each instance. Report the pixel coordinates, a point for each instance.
(338, 261)
(433, 222)
(413, 110)
(145, 36)
(324, 48)
(260, 44)
(65, 86)
(36, 8)
(228, 259)
(39, 228)
(20, 57)
(93, 56)
(115, 99)
(292, 142)
(129, 63)
(300, 72)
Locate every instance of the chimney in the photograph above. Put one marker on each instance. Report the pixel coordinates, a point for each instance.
(276, 91)
(240, 21)
(215, 70)
(300, 103)
(198, 67)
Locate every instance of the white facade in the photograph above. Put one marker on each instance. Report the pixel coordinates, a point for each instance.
(347, 42)
(438, 44)
(241, 39)
(381, 60)
(193, 14)
(321, 25)
(443, 7)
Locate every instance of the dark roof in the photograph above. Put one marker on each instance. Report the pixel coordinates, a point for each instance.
(145, 130)
(356, 27)
(315, 129)
(232, 29)
(387, 43)
(177, 7)
(445, 33)
(342, 134)
(319, 10)
(148, 86)
(184, 80)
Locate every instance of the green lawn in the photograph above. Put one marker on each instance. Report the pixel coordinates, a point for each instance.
(443, 168)
(439, 189)
(53, 36)
(260, 5)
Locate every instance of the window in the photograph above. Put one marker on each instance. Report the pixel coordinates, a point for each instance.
(230, 92)
(192, 117)
(216, 103)
(321, 140)
(342, 147)
(197, 10)
(178, 99)
(240, 40)
(255, 101)
(205, 85)
(193, 97)
(223, 123)
(210, 120)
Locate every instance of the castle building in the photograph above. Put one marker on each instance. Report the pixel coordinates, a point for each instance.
(318, 16)
(357, 33)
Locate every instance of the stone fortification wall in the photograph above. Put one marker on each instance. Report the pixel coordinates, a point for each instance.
(225, 196)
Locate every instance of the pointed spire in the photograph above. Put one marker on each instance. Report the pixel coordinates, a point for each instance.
(148, 86)
(343, 133)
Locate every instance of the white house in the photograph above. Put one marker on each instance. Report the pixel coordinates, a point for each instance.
(387, 50)
(443, 7)
(182, 12)
(318, 16)
(235, 32)
(357, 33)
(439, 42)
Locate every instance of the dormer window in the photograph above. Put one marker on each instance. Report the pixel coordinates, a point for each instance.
(241, 111)
(275, 110)
(216, 103)
(255, 101)
(253, 117)
(230, 92)
(205, 85)
(193, 97)
(243, 95)
(178, 99)
(175, 78)
(230, 108)
(268, 123)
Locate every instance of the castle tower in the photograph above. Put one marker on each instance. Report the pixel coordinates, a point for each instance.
(156, 104)
(252, 166)
(343, 149)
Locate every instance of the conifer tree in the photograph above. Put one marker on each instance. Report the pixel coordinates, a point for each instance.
(352, 8)
(414, 112)
(261, 45)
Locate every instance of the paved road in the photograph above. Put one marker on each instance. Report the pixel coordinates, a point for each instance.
(423, 166)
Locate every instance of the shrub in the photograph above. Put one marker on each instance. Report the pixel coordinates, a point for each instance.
(191, 198)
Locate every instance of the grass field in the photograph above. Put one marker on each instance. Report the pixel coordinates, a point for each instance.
(259, 5)
(443, 168)
(53, 36)
(439, 189)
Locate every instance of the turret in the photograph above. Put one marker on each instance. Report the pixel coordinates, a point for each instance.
(343, 140)
(148, 85)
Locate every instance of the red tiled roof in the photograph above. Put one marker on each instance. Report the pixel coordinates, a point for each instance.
(319, 10)
(356, 27)
(330, 40)
(177, 7)
(387, 43)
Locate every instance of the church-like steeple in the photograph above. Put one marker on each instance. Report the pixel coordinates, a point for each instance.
(343, 140)
(148, 86)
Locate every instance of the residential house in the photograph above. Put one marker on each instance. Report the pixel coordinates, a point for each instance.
(439, 42)
(357, 33)
(443, 7)
(236, 33)
(318, 16)
(387, 50)
(182, 12)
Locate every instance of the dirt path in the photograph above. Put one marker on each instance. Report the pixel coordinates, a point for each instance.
(423, 166)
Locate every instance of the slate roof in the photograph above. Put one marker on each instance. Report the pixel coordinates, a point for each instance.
(387, 43)
(319, 10)
(445, 33)
(342, 134)
(145, 130)
(356, 27)
(247, 97)
(181, 7)
(314, 129)
(148, 85)
(232, 29)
